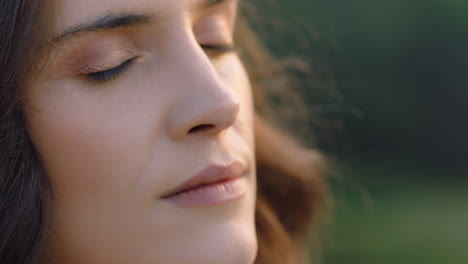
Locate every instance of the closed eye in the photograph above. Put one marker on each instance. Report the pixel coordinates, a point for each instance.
(113, 73)
(218, 49)
(107, 75)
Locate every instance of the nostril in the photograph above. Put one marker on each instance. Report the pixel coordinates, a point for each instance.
(200, 128)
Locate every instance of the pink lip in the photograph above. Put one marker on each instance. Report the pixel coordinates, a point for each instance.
(213, 185)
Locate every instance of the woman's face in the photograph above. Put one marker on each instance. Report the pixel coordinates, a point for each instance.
(136, 99)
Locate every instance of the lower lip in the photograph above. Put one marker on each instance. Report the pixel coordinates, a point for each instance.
(211, 195)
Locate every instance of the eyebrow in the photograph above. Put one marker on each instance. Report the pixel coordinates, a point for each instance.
(106, 22)
(113, 21)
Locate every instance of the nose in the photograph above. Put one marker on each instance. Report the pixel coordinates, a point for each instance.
(204, 104)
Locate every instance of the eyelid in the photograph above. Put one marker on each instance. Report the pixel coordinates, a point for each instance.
(103, 52)
(214, 29)
(112, 72)
(100, 62)
(216, 51)
(219, 48)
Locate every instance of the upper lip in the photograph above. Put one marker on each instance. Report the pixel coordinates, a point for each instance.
(211, 174)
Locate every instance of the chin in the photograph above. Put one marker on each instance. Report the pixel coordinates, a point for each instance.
(229, 243)
(235, 247)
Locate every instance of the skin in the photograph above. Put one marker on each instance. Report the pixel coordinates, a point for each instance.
(111, 149)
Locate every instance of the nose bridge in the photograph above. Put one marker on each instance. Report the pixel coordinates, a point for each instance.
(204, 103)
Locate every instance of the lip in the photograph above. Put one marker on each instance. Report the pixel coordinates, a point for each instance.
(213, 185)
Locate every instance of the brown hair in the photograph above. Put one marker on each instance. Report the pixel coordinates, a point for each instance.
(290, 187)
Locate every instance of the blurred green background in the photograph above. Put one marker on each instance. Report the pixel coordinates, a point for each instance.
(397, 128)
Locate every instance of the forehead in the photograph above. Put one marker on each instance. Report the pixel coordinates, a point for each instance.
(72, 12)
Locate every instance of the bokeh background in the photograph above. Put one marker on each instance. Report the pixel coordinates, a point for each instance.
(396, 128)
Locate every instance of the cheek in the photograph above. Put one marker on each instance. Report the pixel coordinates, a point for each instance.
(94, 149)
(93, 146)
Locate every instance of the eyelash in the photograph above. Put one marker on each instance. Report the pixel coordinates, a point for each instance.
(219, 48)
(107, 75)
(113, 73)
